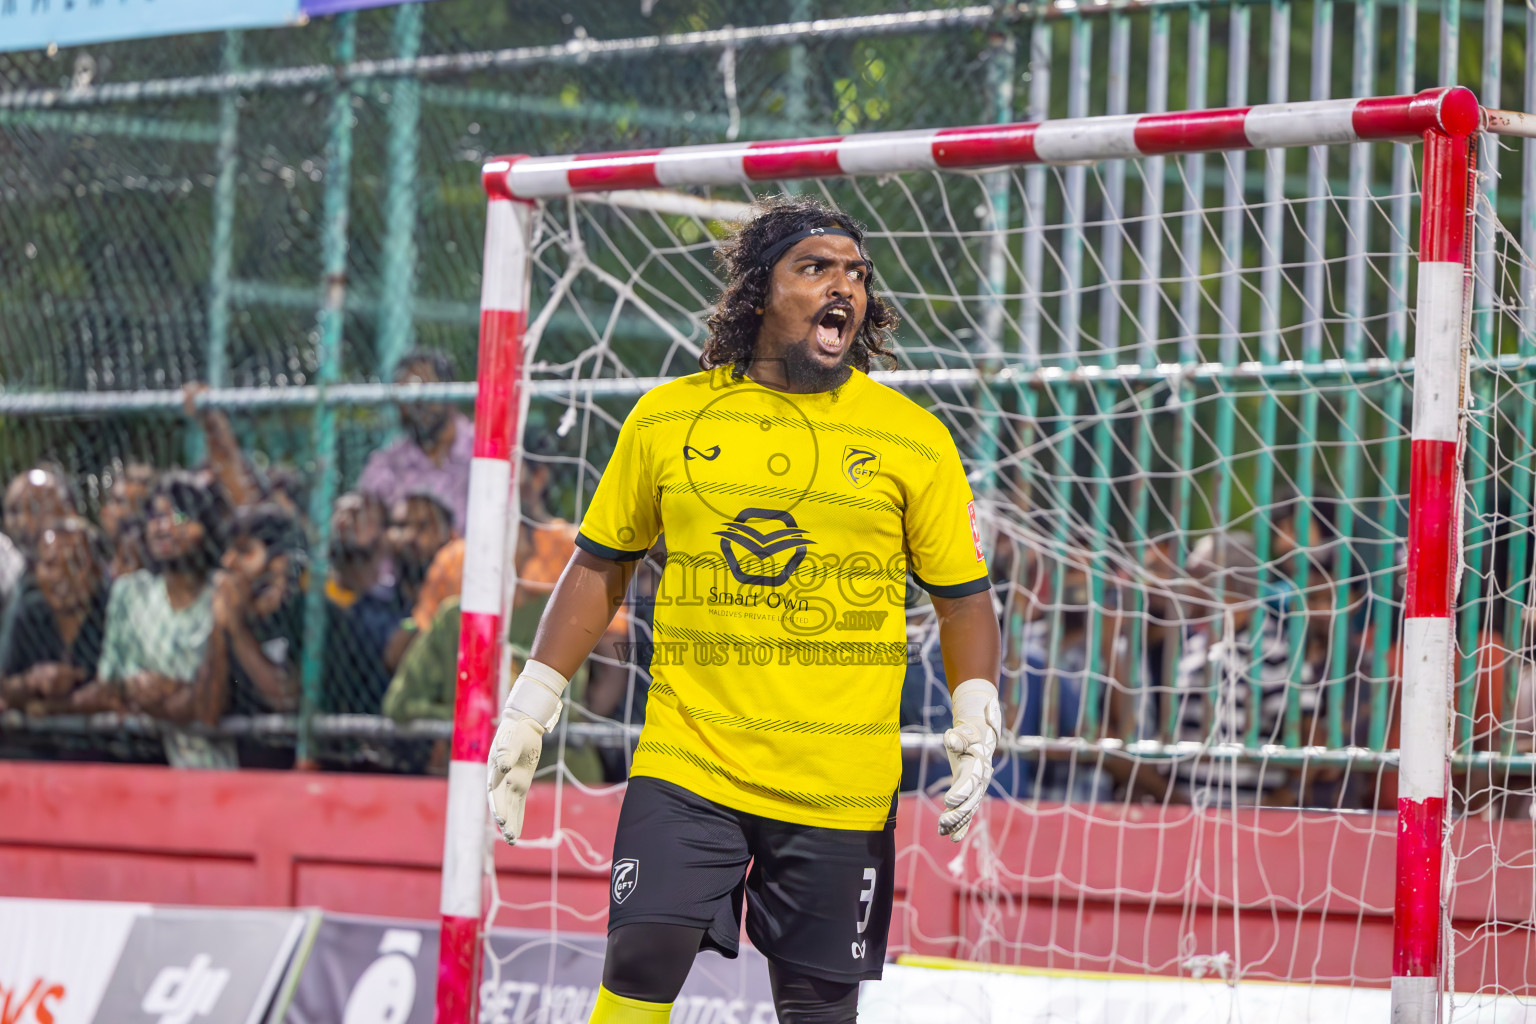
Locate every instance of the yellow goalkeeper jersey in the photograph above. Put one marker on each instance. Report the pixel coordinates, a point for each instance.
(790, 522)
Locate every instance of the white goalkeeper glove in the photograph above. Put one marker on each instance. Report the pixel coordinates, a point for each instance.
(532, 709)
(970, 746)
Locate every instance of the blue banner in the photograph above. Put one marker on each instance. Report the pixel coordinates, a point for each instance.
(36, 24)
(318, 8)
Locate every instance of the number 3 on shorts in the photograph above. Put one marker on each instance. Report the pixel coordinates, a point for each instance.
(866, 897)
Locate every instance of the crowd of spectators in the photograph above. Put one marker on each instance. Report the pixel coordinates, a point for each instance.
(186, 600)
(1202, 654)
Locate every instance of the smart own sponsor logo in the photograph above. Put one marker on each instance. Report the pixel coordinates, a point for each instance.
(739, 535)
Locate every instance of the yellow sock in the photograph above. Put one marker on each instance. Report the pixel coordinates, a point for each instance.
(612, 1009)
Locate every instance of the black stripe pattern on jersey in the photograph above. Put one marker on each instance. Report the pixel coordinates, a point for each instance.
(693, 415)
(775, 724)
(827, 800)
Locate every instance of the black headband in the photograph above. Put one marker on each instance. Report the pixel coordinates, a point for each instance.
(771, 254)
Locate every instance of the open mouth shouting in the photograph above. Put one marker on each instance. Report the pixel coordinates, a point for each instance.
(833, 326)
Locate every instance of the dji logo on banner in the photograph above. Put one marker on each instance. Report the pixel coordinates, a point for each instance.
(179, 994)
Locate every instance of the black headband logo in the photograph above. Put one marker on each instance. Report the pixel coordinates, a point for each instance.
(772, 254)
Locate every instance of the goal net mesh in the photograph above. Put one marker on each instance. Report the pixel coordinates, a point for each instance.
(1182, 389)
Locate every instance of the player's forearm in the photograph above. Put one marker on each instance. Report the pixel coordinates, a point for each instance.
(969, 638)
(579, 610)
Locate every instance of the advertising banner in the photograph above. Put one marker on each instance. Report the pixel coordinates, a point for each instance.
(56, 957)
(203, 966)
(318, 8)
(370, 971)
(367, 971)
(910, 994)
(36, 24)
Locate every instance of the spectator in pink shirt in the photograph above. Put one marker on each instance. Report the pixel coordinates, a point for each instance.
(434, 455)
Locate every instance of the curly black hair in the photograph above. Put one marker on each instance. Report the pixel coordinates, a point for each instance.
(734, 324)
(194, 495)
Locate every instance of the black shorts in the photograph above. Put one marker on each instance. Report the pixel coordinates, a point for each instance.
(818, 899)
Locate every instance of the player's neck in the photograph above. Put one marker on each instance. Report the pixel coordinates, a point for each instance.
(775, 373)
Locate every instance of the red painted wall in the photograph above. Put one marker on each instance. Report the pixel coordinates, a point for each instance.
(1119, 889)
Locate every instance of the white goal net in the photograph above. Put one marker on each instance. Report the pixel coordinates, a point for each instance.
(1183, 389)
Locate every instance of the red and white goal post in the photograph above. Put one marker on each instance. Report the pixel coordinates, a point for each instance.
(1001, 338)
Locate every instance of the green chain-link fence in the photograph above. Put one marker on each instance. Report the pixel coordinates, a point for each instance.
(282, 214)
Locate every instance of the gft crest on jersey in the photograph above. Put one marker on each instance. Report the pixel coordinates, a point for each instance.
(860, 464)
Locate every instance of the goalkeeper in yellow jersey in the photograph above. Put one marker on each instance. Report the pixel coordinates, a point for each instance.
(795, 494)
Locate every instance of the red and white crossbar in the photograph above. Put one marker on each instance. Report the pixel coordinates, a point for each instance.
(1073, 141)
(1443, 118)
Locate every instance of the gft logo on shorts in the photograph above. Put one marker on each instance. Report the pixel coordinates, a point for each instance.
(626, 875)
(762, 545)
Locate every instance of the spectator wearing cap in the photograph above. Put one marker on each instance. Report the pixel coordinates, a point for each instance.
(434, 455)
(54, 640)
(159, 620)
(35, 500)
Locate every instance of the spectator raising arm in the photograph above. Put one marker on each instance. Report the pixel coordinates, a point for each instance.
(225, 460)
